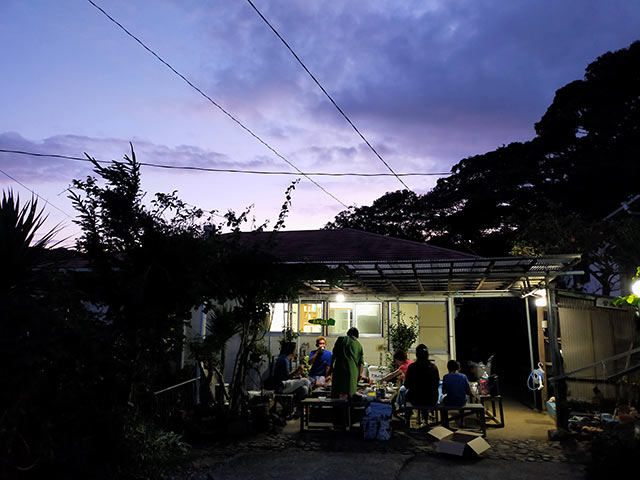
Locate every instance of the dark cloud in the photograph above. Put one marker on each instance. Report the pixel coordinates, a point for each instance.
(47, 169)
(486, 70)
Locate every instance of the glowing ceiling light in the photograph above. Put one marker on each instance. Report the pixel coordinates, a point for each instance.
(340, 297)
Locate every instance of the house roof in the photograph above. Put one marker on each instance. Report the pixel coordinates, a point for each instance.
(382, 264)
(349, 245)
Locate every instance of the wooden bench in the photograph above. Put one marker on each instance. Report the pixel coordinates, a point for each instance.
(474, 408)
(491, 415)
(286, 401)
(423, 413)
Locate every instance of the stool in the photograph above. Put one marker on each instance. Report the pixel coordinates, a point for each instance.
(286, 402)
(423, 413)
(476, 408)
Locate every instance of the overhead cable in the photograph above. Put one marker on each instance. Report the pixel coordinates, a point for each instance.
(232, 170)
(47, 202)
(218, 106)
(327, 94)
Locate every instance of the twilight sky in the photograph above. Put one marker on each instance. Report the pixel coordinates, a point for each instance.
(427, 82)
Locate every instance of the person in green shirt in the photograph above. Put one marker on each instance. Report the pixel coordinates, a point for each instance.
(346, 364)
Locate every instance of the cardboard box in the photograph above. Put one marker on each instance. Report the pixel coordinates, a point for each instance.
(457, 443)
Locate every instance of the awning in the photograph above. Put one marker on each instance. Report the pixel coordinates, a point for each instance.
(501, 274)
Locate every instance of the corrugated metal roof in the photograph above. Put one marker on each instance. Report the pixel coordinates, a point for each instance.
(380, 264)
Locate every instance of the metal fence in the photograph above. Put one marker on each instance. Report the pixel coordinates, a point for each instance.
(172, 400)
(591, 334)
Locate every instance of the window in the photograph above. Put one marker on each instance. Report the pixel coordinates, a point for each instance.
(310, 311)
(341, 313)
(366, 317)
(431, 318)
(433, 326)
(281, 316)
(408, 314)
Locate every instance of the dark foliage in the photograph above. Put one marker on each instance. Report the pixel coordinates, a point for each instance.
(579, 168)
(614, 453)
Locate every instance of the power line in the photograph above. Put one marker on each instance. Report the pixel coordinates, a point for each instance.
(233, 170)
(326, 93)
(47, 202)
(218, 106)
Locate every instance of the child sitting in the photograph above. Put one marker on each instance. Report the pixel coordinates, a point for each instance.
(455, 385)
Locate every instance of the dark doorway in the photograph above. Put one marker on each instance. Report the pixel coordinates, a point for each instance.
(498, 327)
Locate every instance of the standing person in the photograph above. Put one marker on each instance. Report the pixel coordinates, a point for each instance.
(287, 381)
(455, 385)
(320, 360)
(347, 363)
(402, 362)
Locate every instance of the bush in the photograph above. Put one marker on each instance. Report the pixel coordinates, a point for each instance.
(615, 452)
(149, 452)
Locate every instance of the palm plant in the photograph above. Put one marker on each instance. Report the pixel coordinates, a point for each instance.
(20, 251)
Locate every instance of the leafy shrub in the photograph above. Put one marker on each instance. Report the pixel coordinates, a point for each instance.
(614, 453)
(149, 452)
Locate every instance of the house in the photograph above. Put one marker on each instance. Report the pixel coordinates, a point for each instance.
(389, 280)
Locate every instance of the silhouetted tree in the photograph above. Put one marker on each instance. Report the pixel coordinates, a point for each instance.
(584, 161)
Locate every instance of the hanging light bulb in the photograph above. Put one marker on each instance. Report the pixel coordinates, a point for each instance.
(340, 298)
(541, 302)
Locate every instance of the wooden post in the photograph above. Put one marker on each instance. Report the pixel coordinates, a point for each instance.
(559, 386)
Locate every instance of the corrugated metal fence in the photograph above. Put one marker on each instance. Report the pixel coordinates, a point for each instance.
(590, 334)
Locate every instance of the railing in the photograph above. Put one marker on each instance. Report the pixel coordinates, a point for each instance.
(182, 396)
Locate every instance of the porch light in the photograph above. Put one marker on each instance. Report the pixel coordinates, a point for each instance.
(340, 298)
(541, 302)
(635, 288)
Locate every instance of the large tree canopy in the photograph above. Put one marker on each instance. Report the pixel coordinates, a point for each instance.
(583, 162)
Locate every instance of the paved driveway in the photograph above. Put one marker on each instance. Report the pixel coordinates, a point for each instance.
(302, 465)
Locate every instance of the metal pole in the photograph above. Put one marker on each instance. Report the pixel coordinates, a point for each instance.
(526, 307)
(451, 312)
(203, 331)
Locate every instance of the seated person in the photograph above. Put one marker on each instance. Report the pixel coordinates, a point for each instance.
(455, 385)
(320, 361)
(402, 362)
(473, 372)
(287, 381)
(421, 383)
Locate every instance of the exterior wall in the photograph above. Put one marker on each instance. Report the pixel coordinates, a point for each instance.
(192, 330)
(590, 334)
(374, 347)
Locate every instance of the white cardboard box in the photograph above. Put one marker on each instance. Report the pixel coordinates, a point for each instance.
(456, 443)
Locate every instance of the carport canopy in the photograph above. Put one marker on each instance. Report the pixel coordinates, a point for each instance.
(373, 263)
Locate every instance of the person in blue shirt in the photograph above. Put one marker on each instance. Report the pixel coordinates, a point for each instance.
(287, 381)
(455, 385)
(320, 361)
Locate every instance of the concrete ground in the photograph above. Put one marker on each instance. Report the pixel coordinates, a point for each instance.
(521, 450)
(521, 423)
(391, 466)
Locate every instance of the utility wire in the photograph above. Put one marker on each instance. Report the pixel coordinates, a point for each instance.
(327, 94)
(47, 202)
(233, 170)
(218, 106)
